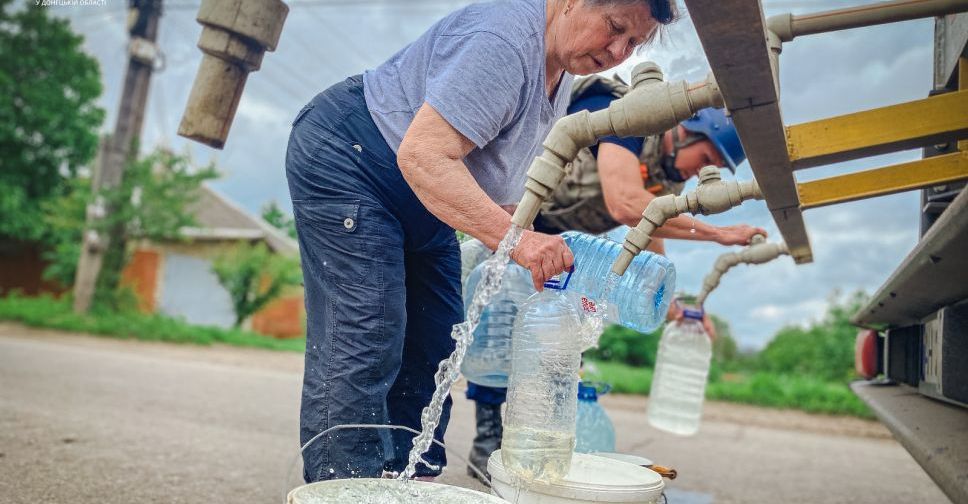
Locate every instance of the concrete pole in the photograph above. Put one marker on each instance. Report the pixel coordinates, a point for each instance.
(115, 150)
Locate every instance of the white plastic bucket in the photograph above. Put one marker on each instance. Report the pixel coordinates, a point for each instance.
(385, 491)
(591, 479)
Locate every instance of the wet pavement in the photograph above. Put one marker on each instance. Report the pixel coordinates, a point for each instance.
(93, 420)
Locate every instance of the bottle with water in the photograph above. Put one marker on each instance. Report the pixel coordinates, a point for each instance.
(488, 360)
(679, 381)
(594, 430)
(640, 299)
(539, 430)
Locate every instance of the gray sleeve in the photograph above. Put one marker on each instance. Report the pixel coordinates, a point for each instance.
(477, 83)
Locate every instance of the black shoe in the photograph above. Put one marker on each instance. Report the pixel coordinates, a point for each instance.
(490, 429)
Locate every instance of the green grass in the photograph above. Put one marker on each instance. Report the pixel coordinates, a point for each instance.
(623, 378)
(759, 389)
(53, 313)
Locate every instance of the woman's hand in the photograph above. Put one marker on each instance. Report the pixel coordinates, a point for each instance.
(737, 235)
(544, 255)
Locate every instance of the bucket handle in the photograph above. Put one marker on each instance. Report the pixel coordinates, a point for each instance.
(483, 477)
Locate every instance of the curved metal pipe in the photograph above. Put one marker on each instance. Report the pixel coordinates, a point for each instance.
(759, 252)
(712, 196)
(650, 108)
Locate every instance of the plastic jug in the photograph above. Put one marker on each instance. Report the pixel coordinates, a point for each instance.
(641, 299)
(539, 430)
(488, 360)
(594, 429)
(679, 381)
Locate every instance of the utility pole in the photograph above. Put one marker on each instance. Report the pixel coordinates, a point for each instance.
(116, 150)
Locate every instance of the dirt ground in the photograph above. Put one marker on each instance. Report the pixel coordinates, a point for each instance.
(95, 420)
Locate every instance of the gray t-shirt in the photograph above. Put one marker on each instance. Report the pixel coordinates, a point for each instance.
(483, 69)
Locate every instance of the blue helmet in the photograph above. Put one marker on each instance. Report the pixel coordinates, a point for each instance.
(719, 129)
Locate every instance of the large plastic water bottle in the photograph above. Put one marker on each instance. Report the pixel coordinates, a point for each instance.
(679, 381)
(641, 299)
(539, 429)
(594, 430)
(472, 253)
(488, 360)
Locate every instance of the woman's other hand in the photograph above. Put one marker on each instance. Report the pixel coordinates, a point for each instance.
(543, 255)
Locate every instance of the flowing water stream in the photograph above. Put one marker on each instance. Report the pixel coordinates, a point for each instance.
(449, 370)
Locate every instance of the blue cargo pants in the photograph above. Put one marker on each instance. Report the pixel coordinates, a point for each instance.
(382, 282)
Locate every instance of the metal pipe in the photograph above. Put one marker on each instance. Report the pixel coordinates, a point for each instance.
(712, 196)
(758, 252)
(650, 108)
(789, 26)
(235, 36)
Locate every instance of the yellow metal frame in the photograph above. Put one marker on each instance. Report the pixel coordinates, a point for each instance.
(907, 125)
(938, 170)
(963, 86)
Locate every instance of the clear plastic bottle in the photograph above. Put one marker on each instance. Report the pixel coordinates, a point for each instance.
(472, 253)
(539, 429)
(488, 360)
(641, 299)
(594, 429)
(679, 381)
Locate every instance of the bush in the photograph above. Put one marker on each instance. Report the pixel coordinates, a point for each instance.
(760, 389)
(823, 350)
(53, 313)
(805, 393)
(626, 346)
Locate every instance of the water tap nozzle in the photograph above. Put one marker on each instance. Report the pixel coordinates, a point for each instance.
(234, 39)
(713, 195)
(645, 73)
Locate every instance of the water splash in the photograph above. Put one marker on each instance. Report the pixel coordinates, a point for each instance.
(594, 323)
(449, 369)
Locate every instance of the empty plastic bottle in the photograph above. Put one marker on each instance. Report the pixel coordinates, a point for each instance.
(472, 253)
(594, 429)
(539, 430)
(679, 381)
(488, 360)
(641, 298)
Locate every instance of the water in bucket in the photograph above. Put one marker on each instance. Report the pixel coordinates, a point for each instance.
(386, 491)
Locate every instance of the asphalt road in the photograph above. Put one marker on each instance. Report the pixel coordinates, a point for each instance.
(92, 420)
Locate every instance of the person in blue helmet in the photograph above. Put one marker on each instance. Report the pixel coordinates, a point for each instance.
(610, 184)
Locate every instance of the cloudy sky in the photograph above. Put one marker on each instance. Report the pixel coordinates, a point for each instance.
(856, 245)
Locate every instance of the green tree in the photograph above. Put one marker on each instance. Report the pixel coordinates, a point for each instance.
(153, 203)
(254, 276)
(823, 349)
(48, 116)
(274, 215)
(628, 346)
(725, 349)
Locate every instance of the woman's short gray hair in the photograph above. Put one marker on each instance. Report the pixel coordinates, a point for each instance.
(663, 11)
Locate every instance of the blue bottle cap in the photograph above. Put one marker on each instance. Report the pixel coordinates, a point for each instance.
(587, 392)
(693, 313)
